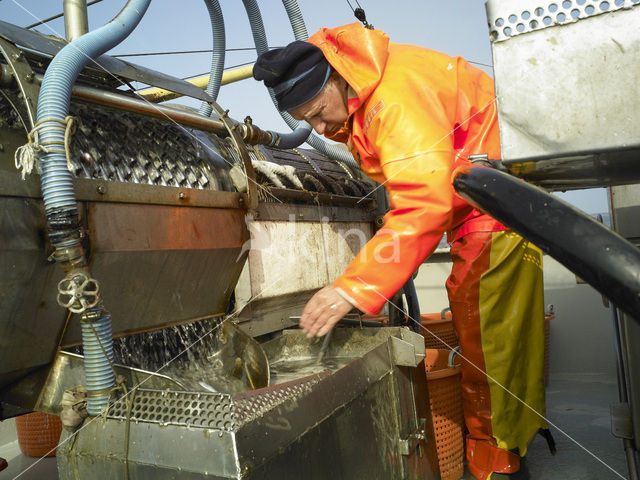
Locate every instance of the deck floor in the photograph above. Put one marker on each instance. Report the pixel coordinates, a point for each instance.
(577, 404)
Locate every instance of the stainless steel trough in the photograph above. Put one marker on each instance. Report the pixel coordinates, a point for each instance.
(362, 413)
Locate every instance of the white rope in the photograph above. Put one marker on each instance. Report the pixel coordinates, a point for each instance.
(27, 157)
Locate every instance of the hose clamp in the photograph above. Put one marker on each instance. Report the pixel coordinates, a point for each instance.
(78, 292)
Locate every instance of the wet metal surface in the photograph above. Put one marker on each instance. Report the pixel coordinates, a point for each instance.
(205, 356)
(346, 423)
(567, 95)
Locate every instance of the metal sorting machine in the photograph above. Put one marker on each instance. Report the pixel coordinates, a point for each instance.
(168, 201)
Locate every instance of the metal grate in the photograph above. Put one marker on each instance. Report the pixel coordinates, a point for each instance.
(117, 146)
(204, 410)
(218, 411)
(252, 406)
(508, 18)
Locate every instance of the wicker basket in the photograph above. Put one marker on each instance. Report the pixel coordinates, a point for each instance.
(445, 399)
(438, 330)
(38, 434)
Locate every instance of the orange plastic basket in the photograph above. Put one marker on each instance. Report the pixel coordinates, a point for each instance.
(445, 399)
(438, 331)
(38, 434)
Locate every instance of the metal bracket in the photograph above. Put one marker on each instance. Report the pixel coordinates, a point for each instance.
(408, 351)
(409, 444)
(252, 189)
(621, 425)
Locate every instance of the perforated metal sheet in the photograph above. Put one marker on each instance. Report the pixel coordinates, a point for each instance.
(509, 18)
(253, 406)
(204, 410)
(217, 411)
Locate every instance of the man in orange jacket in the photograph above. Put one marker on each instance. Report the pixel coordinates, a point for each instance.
(411, 117)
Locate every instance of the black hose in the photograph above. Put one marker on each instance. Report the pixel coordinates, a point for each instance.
(601, 257)
(413, 306)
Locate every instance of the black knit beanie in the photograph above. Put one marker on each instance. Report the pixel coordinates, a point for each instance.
(296, 73)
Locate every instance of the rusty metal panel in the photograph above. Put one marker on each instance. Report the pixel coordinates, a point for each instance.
(127, 227)
(161, 265)
(30, 319)
(156, 265)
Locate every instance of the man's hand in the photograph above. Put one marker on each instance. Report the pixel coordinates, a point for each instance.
(323, 311)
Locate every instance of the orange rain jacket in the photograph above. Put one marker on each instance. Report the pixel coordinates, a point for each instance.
(417, 115)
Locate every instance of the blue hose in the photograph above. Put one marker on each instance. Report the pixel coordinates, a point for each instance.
(57, 183)
(260, 39)
(217, 59)
(55, 94)
(97, 341)
(293, 139)
(296, 19)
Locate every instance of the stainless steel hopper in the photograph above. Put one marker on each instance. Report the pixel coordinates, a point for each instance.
(361, 414)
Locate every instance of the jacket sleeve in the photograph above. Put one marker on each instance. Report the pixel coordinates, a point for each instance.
(416, 155)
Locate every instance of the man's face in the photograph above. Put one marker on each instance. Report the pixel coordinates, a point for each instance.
(326, 112)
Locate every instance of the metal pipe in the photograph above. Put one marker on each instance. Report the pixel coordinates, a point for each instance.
(47, 20)
(76, 22)
(124, 102)
(157, 95)
(250, 133)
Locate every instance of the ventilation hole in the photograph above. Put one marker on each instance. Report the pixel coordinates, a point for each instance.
(546, 21)
(520, 28)
(507, 31)
(604, 6)
(619, 3)
(589, 9)
(575, 13)
(561, 17)
(539, 11)
(581, 2)
(566, 4)
(553, 8)
(513, 18)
